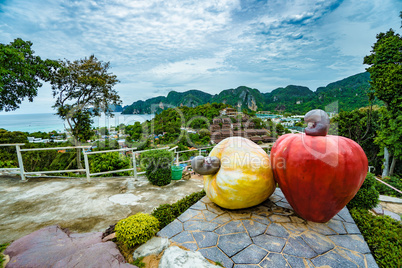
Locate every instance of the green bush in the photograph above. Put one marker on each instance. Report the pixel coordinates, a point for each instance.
(157, 166)
(108, 162)
(367, 196)
(2, 248)
(166, 213)
(383, 236)
(383, 189)
(136, 229)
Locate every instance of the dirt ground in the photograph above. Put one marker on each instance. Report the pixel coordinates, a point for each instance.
(393, 207)
(78, 205)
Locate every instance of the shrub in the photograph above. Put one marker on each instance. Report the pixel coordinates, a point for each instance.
(157, 166)
(367, 196)
(395, 181)
(166, 213)
(108, 162)
(136, 229)
(2, 248)
(383, 236)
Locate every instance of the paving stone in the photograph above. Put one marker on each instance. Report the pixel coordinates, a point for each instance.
(188, 214)
(260, 208)
(378, 210)
(331, 259)
(190, 246)
(199, 216)
(371, 261)
(279, 218)
(246, 266)
(297, 219)
(261, 219)
(199, 206)
(231, 227)
(352, 242)
(205, 200)
(277, 230)
(205, 239)
(318, 242)
(215, 208)
(352, 228)
(320, 228)
(254, 228)
(240, 214)
(222, 219)
(344, 214)
(282, 211)
(171, 229)
(270, 243)
(279, 192)
(209, 216)
(352, 256)
(233, 243)
(274, 260)
(298, 262)
(337, 218)
(200, 226)
(297, 247)
(390, 199)
(183, 237)
(392, 215)
(295, 228)
(250, 255)
(337, 226)
(284, 205)
(275, 198)
(216, 255)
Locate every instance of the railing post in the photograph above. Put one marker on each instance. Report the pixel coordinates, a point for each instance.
(134, 165)
(200, 151)
(86, 165)
(177, 158)
(20, 162)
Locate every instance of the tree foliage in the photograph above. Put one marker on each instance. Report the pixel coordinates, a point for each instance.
(83, 88)
(361, 125)
(20, 73)
(385, 69)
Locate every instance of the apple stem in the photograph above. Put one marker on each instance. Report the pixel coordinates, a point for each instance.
(317, 123)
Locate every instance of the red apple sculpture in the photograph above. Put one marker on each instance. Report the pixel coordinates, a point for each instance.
(318, 173)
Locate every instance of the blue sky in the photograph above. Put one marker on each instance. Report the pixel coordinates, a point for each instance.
(158, 46)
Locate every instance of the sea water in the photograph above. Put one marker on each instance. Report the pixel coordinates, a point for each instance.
(47, 122)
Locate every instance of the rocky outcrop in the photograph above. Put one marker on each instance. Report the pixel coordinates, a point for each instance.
(153, 246)
(55, 247)
(176, 257)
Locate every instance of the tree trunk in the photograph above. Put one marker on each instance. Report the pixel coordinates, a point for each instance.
(391, 169)
(79, 165)
(385, 171)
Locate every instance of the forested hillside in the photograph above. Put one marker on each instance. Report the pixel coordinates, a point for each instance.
(350, 93)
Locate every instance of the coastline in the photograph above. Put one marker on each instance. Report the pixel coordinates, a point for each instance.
(46, 122)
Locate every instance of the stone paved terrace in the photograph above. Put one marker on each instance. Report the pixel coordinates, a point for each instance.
(269, 235)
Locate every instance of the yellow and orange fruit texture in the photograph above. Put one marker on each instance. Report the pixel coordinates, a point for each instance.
(245, 178)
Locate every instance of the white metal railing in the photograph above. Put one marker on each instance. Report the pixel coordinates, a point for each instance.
(134, 161)
(20, 162)
(86, 160)
(191, 150)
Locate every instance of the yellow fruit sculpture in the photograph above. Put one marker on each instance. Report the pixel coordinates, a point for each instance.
(237, 173)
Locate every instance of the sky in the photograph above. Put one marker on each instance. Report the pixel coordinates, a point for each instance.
(156, 46)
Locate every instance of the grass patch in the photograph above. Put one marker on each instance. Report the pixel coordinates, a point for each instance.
(138, 262)
(383, 236)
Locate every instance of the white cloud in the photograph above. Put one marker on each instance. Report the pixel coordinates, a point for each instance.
(155, 46)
